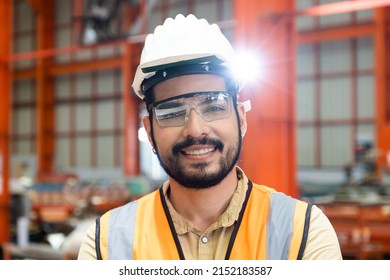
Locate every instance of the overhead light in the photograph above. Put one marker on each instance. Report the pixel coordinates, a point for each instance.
(248, 66)
(90, 36)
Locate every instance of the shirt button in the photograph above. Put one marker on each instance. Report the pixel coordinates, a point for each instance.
(205, 239)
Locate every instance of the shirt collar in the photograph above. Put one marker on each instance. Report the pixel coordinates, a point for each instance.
(227, 219)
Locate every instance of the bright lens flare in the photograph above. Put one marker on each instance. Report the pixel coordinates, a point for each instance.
(247, 67)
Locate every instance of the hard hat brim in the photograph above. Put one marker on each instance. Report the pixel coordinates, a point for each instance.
(147, 70)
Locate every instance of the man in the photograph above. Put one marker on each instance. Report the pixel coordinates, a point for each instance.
(208, 209)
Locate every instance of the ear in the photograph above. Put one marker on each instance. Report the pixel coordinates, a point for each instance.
(148, 128)
(242, 118)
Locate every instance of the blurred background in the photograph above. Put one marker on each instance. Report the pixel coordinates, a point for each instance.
(72, 144)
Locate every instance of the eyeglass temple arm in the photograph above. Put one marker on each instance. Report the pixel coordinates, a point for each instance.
(247, 105)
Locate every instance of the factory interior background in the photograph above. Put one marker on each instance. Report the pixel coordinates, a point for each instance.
(72, 144)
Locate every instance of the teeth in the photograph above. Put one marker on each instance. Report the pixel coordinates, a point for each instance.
(199, 152)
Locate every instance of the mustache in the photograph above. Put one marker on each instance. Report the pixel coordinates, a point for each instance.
(189, 141)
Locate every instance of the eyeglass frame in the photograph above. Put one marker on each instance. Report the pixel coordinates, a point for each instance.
(152, 106)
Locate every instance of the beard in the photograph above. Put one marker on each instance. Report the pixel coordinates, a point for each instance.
(197, 175)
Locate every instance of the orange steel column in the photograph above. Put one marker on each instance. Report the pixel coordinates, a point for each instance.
(45, 89)
(131, 144)
(5, 114)
(382, 84)
(269, 152)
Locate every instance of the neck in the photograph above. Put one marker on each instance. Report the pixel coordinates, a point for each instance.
(202, 207)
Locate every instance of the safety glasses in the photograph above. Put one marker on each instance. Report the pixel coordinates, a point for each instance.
(175, 111)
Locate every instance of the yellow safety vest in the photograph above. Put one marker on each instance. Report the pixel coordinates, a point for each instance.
(271, 225)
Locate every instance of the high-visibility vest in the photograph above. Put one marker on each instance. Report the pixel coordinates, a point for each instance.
(271, 225)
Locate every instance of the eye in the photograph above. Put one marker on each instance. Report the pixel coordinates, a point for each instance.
(214, 108)
(170, 113)
(214, 104)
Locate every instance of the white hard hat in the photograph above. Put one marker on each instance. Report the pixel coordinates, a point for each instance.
(184, 45)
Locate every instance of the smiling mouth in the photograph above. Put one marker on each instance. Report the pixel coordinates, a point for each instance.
(199, 152)
(197, 147)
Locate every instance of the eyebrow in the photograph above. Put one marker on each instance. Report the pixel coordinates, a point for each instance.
(186, 95)
(170, 104)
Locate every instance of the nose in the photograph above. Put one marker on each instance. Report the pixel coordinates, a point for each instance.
(195, 125)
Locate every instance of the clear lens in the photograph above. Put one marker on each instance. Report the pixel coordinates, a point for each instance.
(210, 106)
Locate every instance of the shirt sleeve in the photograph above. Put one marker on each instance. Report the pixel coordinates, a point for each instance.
(322, 242)
(87, 249)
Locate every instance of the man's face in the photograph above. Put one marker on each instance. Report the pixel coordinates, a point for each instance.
(199, 153)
